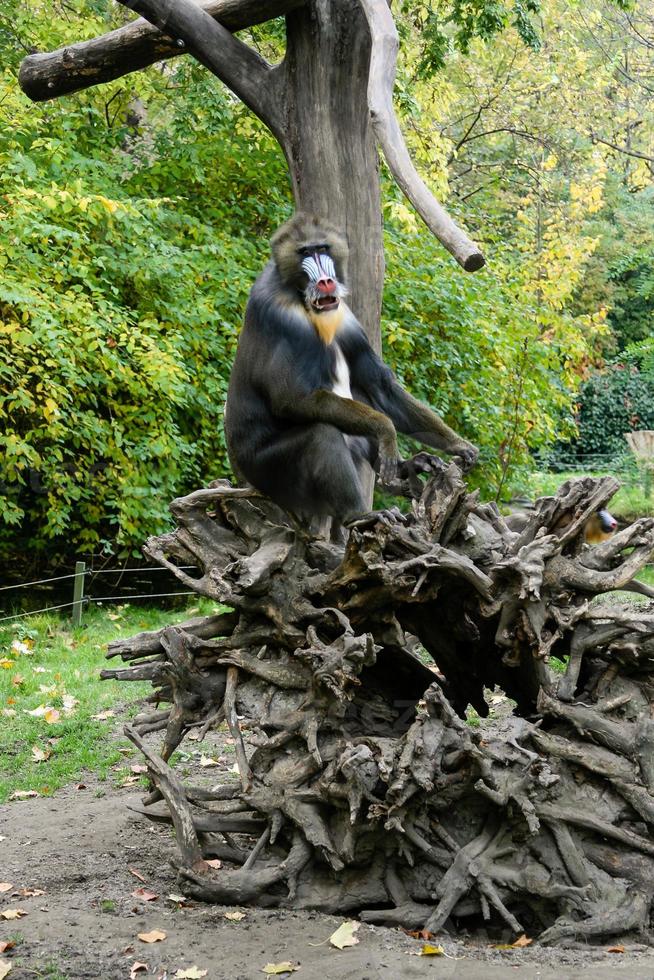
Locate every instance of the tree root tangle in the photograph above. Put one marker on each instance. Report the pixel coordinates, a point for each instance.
(362, 788)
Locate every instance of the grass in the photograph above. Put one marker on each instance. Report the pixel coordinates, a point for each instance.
(45, 663)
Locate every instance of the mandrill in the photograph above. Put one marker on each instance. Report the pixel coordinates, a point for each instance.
(309, 402)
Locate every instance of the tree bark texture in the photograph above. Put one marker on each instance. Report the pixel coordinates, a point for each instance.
(329, 139)
(362, 788)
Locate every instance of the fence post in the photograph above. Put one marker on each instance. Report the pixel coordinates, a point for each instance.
(78, 592)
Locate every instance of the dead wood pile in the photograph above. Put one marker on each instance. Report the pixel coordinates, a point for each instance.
(362, 788)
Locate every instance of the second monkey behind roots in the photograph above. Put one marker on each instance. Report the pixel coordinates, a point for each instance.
(310, 404)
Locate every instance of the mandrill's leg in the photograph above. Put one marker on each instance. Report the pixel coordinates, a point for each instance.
(310, 471)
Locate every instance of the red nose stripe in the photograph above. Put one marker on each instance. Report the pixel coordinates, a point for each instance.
(326, 286)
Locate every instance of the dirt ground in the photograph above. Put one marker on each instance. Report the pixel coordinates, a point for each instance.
(81, 848)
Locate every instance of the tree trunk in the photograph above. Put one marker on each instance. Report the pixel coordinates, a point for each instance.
(329, 141)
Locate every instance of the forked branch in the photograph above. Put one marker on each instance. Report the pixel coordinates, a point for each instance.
(244, 71)
(380, 103)
(168, 30)
(51, 74)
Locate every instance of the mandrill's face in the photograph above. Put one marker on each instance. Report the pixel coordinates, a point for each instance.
(311, 258)
(323, 291)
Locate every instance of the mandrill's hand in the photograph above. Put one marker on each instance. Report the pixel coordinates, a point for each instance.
(465, 455)
(388, 458)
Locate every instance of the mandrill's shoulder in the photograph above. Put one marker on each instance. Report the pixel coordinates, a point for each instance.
(352, 338)
(274, 309)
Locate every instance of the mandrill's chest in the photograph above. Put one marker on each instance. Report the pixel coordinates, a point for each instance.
(336, 368)
(340, 372)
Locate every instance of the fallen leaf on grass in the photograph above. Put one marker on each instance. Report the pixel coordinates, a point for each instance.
(5, 886)
(145, 894)
(47, 712)
(206, 761)
(276, 969)
(22, 646)
(344, 935)
(156, 936)
(5, 968)
(137, 967)
(214, 863)
(137, 874)
(138, 768)
(80, 785)
(39, 755)
(129, 781)
(103, 716)
(9, 944)
(11, 914)
(615, 949)
(23, 794)
(193, 973)
(234, 916)
(69, 704)
(31, 892)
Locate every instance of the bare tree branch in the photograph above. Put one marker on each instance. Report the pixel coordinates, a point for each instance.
(244, 71)
(389, 135)
(622, 149)
(130, 48)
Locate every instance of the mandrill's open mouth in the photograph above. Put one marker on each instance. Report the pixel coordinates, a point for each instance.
(322, 304)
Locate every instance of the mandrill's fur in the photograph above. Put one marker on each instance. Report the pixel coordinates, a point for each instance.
(310, 404)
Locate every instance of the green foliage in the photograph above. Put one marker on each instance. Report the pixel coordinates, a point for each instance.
(125, 258)
(127, 251)
(454, 24)
(621, 272)
(473, 347)
(614, 401)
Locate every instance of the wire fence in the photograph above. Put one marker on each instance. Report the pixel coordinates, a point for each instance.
(624, 465)
(80, 600)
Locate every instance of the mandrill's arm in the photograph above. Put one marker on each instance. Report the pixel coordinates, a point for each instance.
(378, 385)
(351, 417)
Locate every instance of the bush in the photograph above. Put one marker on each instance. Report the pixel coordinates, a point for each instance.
(616, 400)
(124, 272)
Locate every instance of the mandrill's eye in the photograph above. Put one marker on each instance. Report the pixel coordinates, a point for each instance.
(306, 250)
